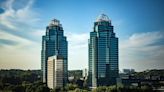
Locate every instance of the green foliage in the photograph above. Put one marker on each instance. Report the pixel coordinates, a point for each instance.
(146, 89)
(42, 88)
(149, 73)
(58, 89)
(18, 88)
(16, 77)
(105, 89)
(122, 89)
(76, 73)
(29, 81)
(77, 90)
(71, 87)
(20, 81)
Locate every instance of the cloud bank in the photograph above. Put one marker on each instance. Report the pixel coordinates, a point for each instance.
(18, 47)
(143, 51)
(77, 50)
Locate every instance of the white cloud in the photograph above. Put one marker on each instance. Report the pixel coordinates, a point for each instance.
(13, 18)
(142, 51)
(16, 25)
(77, 40)
(142, 39)
(23, 55)
(38, 32)
(21, 42)
(77, 50)
(26, 58)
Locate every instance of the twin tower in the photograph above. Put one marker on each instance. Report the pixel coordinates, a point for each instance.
(103, 55)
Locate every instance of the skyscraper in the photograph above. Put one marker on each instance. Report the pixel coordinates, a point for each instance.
(103, 53)
(54, 43)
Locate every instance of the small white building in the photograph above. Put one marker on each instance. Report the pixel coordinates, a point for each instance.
(85, 73)
(55, 70)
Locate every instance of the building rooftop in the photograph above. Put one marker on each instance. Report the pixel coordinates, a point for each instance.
(55, 22)
(103, 17)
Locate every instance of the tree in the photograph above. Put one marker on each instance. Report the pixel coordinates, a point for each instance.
(100, 89)
(18, 88)
(70, 87)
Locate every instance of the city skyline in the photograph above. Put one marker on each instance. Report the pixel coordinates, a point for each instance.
(139, 25)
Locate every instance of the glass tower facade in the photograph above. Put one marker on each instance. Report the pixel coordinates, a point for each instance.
(54, 43)
(103, 53)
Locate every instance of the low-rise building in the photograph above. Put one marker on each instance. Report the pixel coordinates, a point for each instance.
(55, 71)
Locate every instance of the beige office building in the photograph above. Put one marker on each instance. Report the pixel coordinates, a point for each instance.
(55, 71)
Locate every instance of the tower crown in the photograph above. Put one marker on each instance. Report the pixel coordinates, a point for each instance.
(55, 22)
(103, 17)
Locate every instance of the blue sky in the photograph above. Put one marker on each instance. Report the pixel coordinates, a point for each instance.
(139, 24)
